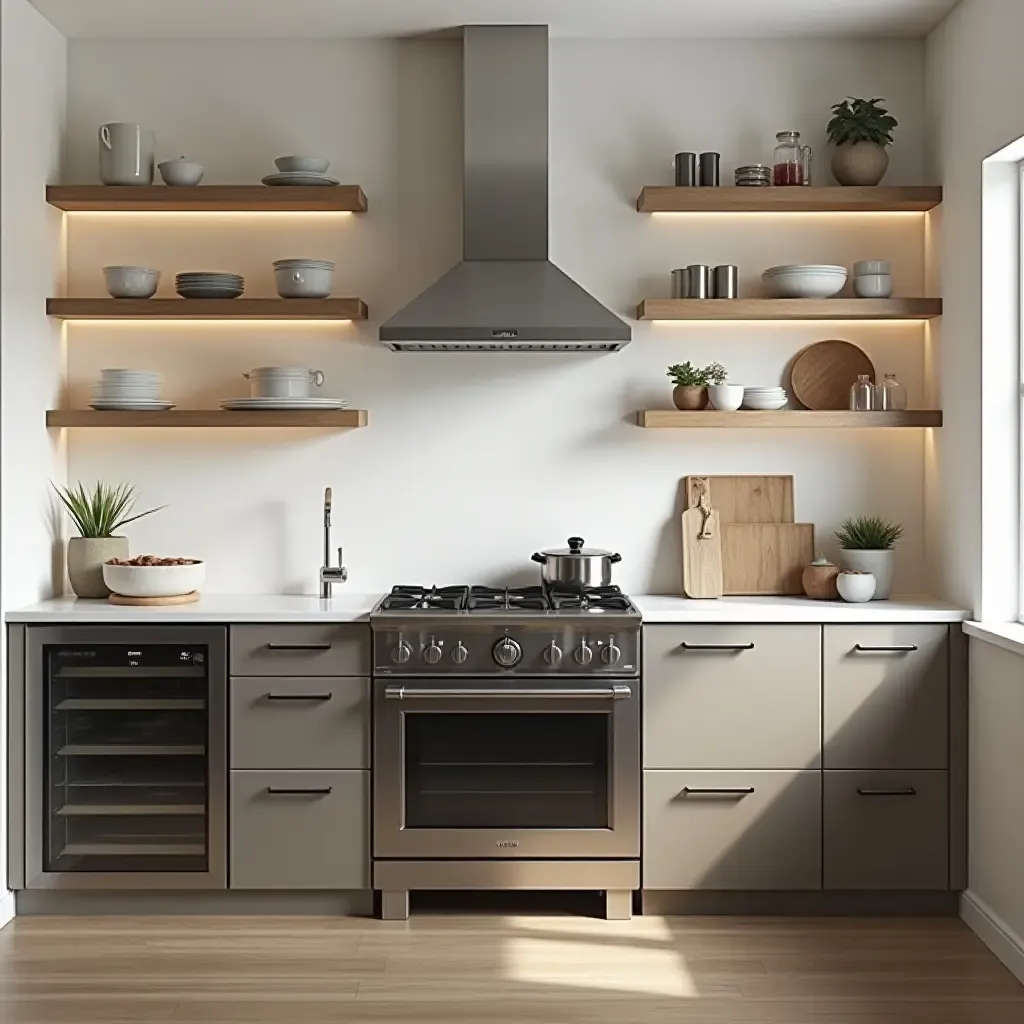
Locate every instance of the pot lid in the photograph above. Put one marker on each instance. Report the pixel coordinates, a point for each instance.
(576, 549)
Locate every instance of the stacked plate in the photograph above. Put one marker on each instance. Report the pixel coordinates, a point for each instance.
(764, 399)
(136, 390)
(300, 178)
(754, 175)
(208, 284)
(282, 404)
(805, 281)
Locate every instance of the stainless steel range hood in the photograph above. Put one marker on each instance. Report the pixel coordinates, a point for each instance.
(505, 294)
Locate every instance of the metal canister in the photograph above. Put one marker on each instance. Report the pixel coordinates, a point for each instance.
(679, 284)
(710, 168)
(725, 281)
(686, 169)
(698, 281)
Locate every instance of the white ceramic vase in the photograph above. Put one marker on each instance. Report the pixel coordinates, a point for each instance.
(855, 587)
(86, 556)
(881, 564)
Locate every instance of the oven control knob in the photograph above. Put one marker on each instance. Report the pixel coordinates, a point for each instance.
(611, 655)
(402, 653)
(432, 654)
(583, 654)
(553, 654)
(459, 654)
(507, 652)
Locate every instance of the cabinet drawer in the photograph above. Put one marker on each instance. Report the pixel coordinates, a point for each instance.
(300, 830)
(886, 830)
(747, 830)
(300, 723)
(732, 696)
(323, 649)
(886, 697)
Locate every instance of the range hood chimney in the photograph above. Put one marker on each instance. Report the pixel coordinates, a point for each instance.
(505, 295)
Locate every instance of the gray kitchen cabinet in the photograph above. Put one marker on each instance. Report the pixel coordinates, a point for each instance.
(300, 830)
(303, 649)
(886, 830)
(292, 723)
(745, 830)
(886, 697)
(732, 697)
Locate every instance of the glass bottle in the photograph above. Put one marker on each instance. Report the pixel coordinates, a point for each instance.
(792, 164)
(890, 395)
(862, 394)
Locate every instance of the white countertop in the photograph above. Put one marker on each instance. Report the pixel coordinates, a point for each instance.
(350, 607)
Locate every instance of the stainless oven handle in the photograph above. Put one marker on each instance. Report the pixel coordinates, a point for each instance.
(617, 691)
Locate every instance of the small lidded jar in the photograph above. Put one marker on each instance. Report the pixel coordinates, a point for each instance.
(792, 164)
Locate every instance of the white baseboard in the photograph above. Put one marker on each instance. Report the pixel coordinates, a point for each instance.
(6, 908)
(994, 932)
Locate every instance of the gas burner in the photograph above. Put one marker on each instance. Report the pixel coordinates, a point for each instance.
(442, 599)
(478, 599)
(513, 599)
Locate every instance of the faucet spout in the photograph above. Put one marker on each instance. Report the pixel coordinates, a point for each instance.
(329, 575)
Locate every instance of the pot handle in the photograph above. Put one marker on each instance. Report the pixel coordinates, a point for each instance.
(614, 558)
(575, 545)
(104, 134)
(538, 557)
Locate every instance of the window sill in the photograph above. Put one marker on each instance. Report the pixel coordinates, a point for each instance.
(1008, 635)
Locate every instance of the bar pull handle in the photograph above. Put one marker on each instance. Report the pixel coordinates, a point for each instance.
(299, 696)
(896, 649)
(288, 791)
(716, 647)
(298, 647)
(717, 790)
(902, 791)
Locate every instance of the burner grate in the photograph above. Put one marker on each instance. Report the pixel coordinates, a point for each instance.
(540, 598)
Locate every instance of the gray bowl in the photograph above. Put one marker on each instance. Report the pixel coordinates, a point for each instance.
(131, 282)
(181, 172)
(309, 164)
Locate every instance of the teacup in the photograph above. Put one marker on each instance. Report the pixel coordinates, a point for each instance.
(282, 381)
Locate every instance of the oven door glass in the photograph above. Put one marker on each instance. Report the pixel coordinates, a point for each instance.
(507, 771)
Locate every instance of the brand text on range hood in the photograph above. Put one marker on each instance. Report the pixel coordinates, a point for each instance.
(505, 294)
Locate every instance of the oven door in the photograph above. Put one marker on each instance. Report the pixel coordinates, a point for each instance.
(473, 768)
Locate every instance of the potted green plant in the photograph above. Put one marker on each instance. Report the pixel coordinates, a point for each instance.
(860, 130)
(98, 514)
(691, 384)
(867, 543)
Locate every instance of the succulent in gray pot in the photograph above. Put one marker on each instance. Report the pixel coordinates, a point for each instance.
(867, 543)
(98, 514)
(690, 393)
(860, 130)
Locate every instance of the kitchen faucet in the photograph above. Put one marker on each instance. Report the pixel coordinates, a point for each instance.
(329, 575)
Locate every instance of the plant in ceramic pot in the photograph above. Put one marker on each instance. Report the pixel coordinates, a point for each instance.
(867, 543)
(691, 384)
(98, 514)
(860, 130)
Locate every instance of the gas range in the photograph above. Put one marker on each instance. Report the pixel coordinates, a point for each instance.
(473, 630)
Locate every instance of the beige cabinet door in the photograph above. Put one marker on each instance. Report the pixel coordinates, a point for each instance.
(318, 722)
(886, 830)
(886, 697)
(734, 696)
(732, 830)
(302, 649)
(300, 830)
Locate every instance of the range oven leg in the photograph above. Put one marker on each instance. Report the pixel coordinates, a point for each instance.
(394, 905)
(618, 904)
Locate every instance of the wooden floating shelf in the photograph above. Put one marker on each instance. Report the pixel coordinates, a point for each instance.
(789, 309)
(786, 419)
(208, 198)
(206, 418)
(898, 199)
(207, 309)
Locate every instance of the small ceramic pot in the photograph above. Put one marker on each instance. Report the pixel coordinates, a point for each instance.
(304, 279)
(725, 397)
(86, 556)
(872, 286)
(131, 282)
(881, 564)
(282, 381)
(181, 172)
(819, 580)
(688, 398)
(855, 587)
(860, 163)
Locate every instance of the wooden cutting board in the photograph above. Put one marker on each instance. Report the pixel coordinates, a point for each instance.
(745, 499)
(153, 602)
(765, 558)
(823, 374)
(702, 546)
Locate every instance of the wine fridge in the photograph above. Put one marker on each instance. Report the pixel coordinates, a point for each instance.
(125, 757)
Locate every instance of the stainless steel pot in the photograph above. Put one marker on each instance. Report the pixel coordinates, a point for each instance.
(577, 566)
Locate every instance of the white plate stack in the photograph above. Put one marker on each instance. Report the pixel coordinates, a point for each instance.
(284, 404)
(805, 281)
(134, 390)
(208, 284)
(765, 399)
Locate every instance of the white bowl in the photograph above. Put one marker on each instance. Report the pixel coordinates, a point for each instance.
(181, 172)
(311, 282)
(794, 268)
(154, 580)
(863, 268)
(725, 397)
(872, 286)
(765, 404)
(805, 284)
(308, 164)
(131, 282)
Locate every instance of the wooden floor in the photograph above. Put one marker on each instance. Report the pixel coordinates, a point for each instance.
(500, 969)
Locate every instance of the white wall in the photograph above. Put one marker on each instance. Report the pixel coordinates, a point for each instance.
(473, 461)
(33, 95)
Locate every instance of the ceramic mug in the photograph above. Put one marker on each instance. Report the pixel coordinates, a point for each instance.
(126, 154)
(282, 381)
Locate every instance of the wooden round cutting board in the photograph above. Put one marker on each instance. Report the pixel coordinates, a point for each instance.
(154, 602)
(824, 373)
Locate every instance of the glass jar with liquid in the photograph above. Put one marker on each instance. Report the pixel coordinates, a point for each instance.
(792, 164)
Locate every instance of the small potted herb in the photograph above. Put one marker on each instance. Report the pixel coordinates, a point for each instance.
(98, 514)
(867, 543)
(691, 384)
(860, 130)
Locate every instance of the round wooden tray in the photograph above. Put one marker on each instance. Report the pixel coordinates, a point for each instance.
(153, 602)
(823, 374)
